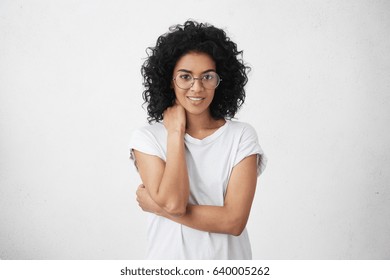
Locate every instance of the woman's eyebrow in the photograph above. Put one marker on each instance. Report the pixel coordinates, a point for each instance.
(189, 71)
(184, 70)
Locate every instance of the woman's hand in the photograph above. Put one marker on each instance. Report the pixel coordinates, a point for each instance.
(146, 202)
(175, 118)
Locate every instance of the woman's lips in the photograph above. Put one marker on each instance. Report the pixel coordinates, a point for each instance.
(195, 98)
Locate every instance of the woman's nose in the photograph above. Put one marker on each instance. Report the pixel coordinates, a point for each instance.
(197, 85)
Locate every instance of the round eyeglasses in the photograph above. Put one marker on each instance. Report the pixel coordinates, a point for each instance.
(210, 80)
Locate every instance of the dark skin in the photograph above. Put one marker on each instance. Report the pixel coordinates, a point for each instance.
(165, 187)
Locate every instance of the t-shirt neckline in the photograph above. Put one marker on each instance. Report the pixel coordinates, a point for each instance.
(207, 139)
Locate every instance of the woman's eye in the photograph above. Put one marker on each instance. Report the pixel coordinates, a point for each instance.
(185, 77)
(208, 77)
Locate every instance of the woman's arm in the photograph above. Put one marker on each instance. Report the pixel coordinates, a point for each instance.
(167, 182)
(231, 218)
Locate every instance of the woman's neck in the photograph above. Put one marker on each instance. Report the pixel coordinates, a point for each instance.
(201, 126)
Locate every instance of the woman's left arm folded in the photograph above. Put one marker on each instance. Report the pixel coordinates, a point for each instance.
(231, 218)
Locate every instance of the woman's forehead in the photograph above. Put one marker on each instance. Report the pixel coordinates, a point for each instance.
(195, 62)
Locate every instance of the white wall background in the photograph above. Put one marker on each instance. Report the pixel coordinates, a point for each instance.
(70, 94)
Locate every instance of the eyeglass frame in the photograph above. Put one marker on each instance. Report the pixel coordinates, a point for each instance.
(198, 78)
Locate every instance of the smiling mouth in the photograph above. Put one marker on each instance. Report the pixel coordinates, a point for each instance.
(195, 98)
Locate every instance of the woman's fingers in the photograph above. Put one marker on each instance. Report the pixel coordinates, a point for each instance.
(138, 193)
(174, 118)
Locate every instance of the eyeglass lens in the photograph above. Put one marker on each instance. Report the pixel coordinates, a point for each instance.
(209, 80)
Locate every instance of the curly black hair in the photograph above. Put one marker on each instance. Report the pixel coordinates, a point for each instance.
(192, 36)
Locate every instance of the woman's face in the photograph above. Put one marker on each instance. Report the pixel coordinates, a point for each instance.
(195, 100)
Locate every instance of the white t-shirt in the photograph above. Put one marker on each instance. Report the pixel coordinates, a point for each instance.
(210, 162)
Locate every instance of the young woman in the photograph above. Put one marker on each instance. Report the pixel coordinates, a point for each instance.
(198, 167)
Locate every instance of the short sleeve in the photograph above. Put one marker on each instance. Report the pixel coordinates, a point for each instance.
(144, 141)
(248, 146)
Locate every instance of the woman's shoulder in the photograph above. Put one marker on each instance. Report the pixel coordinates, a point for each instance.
(243, 127)
(242, 130)
(148, 139)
